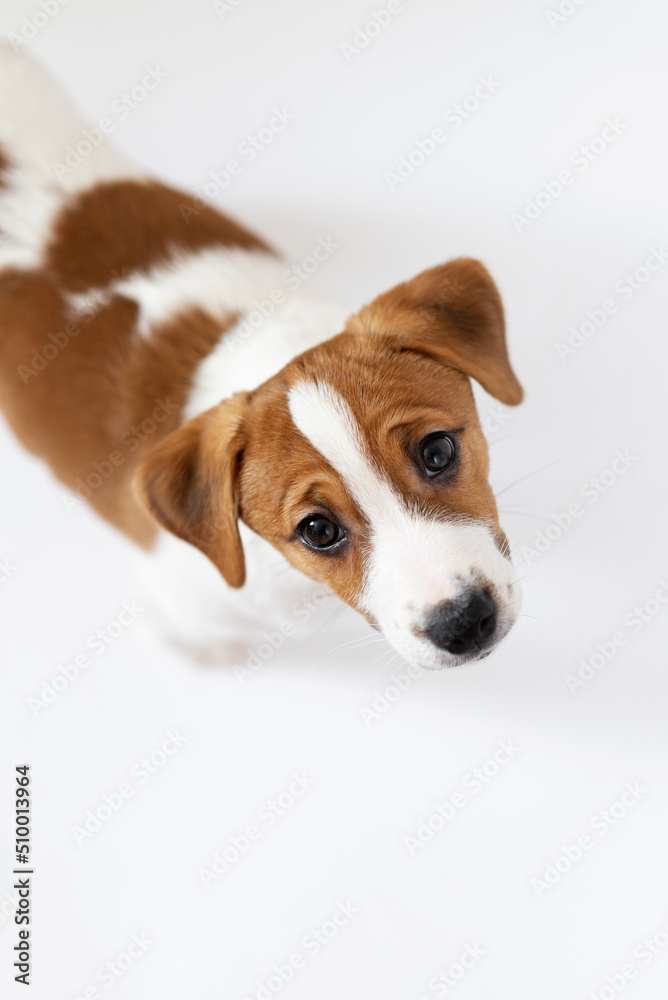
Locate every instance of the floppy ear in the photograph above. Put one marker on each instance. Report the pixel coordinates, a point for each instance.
(189, 482)
(454, 314)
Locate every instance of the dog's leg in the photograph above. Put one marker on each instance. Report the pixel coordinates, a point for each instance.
(198, 613)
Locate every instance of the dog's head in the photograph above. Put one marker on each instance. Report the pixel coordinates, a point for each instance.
(364, 463)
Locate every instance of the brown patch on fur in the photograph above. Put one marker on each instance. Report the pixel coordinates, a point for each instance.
(453, 313)
(118, 227)
(101, 398)
(5, 164)
(190, 484)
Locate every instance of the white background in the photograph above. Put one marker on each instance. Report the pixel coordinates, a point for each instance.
(376, 779)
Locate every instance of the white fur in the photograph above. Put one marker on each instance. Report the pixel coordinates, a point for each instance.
(37, 123)
(248, 355)
(27, 211)
(416, 561)
(226, 282)
(196, 610)
(85, 303)
(219, 280)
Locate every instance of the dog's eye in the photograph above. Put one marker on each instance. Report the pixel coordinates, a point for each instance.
(319, 532)
(437, 452)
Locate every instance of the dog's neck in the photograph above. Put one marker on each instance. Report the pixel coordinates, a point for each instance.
(271, 324)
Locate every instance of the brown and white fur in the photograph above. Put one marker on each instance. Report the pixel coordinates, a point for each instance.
(315, 413)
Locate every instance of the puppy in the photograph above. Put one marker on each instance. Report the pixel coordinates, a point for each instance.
(151, 354)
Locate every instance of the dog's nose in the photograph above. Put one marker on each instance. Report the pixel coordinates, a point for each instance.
(464, 624)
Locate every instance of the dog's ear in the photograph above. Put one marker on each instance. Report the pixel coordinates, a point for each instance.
(189, 483)
(454, 314)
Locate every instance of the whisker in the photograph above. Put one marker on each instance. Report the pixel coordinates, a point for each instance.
(521, 503)
(506, 437)
(536, 472)
(532, 576)
(388, 665)
(367, 640)
(370, 640)
(520, 513)
(373, 663)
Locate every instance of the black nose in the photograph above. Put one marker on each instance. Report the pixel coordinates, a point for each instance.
(464, 624)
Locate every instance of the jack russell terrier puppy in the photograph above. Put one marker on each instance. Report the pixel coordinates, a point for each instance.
(134, 362)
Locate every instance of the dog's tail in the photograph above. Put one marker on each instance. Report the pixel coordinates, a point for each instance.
(41, 132)
(46, 156)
